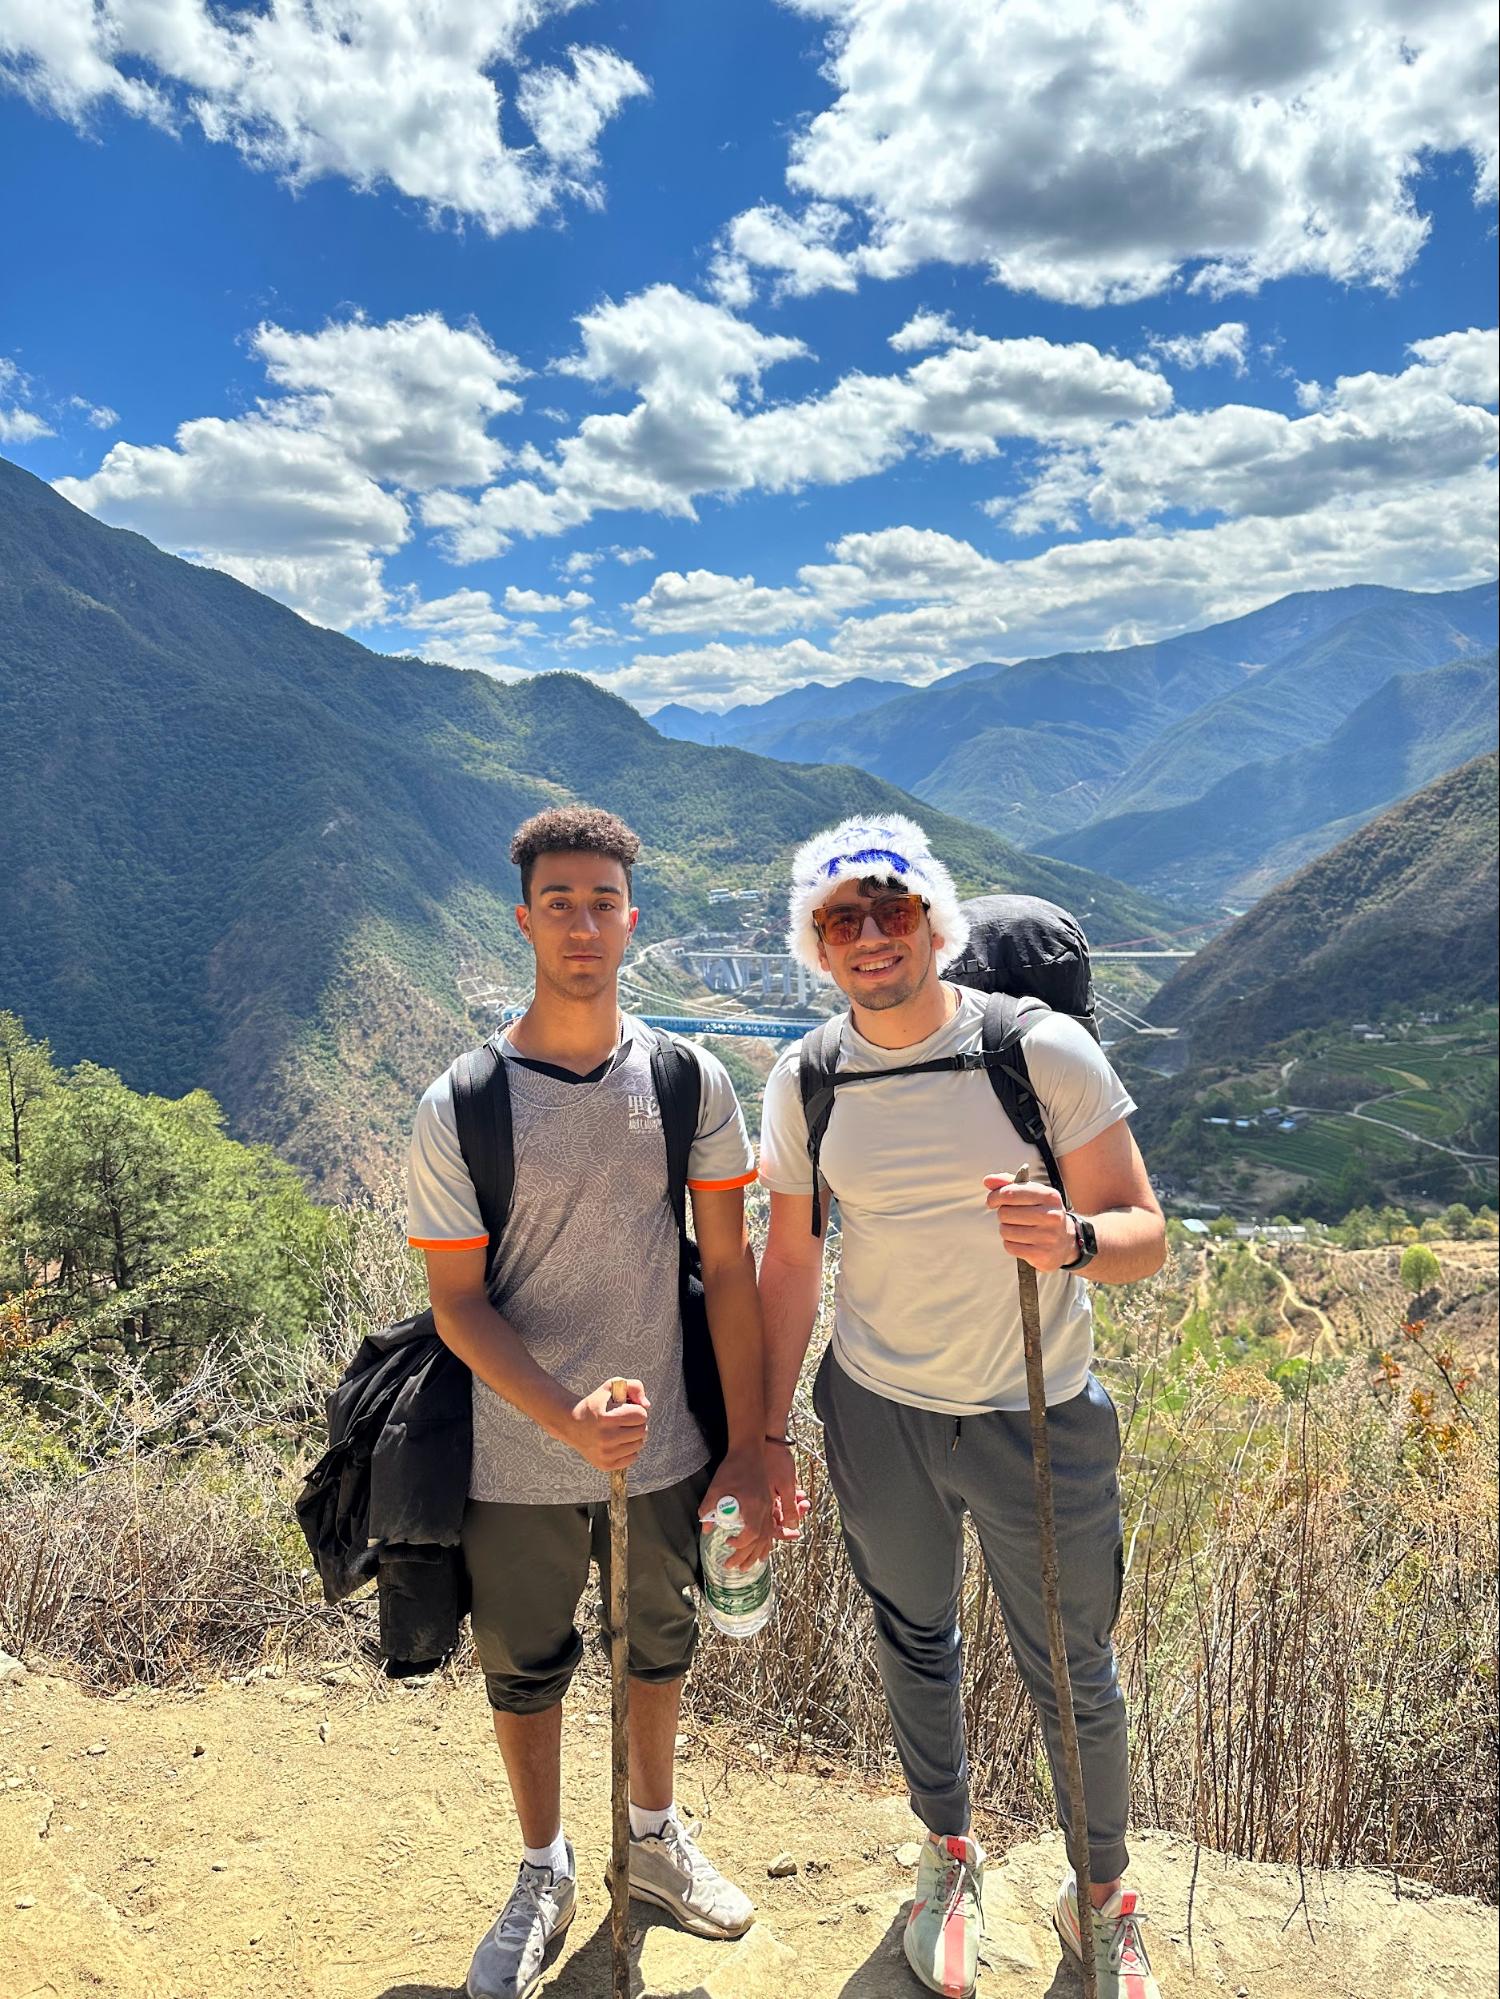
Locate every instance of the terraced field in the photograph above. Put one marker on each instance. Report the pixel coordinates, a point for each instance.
(1409, 1101)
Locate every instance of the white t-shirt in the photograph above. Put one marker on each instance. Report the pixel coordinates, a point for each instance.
(927, 1309)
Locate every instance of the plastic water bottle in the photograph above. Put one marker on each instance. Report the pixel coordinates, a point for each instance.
(738, 1601)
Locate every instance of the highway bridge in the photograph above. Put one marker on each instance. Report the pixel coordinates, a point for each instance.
(745, 1026)
(757, 1026)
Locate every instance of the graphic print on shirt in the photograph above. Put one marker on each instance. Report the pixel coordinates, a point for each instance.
(645, 1112)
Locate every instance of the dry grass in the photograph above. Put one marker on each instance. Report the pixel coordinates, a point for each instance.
(1308, 1638)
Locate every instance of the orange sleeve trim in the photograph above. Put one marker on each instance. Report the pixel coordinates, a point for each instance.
(723, 1186)
(468, 1242)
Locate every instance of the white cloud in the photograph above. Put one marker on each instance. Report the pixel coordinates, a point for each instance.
(345, 587)
(584, 632)
(462, 629)
(567, 113)
(19, 425)
(700, 425)
(802, 250)
(371, 91)
(1089, 151)
(281, 507)
(1389, 477)
(301, 497)
(99, 415)
(1372, 433)
(579, 566)
(535, 603)
(703, 601)
(1466, 365)
(1224, 343)
(409, 401)
(665, 339)
(719, 676)
(1123, 590)
(924, 330)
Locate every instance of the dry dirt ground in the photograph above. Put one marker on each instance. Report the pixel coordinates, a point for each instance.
(308, 1840)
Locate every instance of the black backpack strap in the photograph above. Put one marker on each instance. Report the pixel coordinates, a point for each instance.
(481, 1112)
(679, 1083)
(815, 1074)
(1007, 1022)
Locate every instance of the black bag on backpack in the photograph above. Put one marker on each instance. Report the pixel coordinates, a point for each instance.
(1031, 958)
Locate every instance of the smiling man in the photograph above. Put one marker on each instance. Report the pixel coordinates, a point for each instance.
(922, 1392)
(584, 1289)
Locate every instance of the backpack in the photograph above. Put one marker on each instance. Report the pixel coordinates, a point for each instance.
(1032, 959)
(481, 1105)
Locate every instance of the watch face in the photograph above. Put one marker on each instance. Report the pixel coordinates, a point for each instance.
(1088, 1243)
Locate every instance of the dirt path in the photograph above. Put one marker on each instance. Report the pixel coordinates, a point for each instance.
(351, 1841)
(1324, 1343)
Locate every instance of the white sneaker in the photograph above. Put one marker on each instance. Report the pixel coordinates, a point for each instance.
(941, 1938)
(508, 1962)
(1120, 1959)
(671, 1869)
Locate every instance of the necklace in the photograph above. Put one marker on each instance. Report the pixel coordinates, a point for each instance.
(578, 1091)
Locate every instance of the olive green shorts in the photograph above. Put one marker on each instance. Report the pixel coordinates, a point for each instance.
(528, 1567)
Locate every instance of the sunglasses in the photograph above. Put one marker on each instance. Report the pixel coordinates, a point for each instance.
(895, 916)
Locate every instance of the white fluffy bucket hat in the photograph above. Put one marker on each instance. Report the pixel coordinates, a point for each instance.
(889, 847)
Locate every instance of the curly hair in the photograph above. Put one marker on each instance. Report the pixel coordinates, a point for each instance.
(572, 829)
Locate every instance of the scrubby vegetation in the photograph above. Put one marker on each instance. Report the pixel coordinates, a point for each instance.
(1310, 1616)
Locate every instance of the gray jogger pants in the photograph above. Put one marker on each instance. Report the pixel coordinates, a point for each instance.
(904, 1478)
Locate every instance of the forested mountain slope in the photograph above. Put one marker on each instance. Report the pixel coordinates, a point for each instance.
(1402, 914)
(246, 853)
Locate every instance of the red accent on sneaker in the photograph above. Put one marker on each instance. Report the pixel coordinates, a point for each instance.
(953, 1927)
(953, 1950)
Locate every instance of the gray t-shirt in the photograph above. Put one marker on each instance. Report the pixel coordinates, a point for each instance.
(587, 1270)
(927, 1309)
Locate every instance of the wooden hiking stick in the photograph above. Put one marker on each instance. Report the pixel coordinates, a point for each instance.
(1057, 1644)
(619, 1730)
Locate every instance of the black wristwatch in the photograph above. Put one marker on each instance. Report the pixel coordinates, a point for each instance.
(1088, 1242)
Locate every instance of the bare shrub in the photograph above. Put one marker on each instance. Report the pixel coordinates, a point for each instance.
(161, 1543)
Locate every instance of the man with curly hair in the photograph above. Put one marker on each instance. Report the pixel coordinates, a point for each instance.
(585, 1288)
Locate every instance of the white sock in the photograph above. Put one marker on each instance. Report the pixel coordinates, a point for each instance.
(646, 1825)
(554, 1856)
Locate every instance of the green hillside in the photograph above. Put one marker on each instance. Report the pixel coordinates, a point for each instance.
(1400, 915)
(1410, 730)
(246, 854)
(1336, 1046)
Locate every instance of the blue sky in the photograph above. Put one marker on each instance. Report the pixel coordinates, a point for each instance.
(712, 349)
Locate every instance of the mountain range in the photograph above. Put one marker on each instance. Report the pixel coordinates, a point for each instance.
(1401, 915)
(1094, 757)
(246, 853)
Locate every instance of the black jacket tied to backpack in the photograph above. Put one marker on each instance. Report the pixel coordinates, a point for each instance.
(386, 1499)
